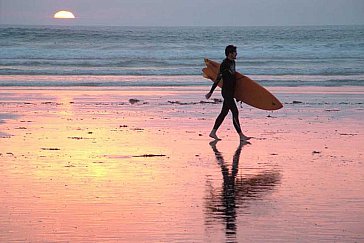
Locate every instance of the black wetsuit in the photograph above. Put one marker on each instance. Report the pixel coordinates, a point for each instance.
(227, 73)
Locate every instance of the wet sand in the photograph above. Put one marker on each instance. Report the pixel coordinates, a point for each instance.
(133, 165)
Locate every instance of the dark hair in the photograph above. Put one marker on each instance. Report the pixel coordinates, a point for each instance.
(230, 49)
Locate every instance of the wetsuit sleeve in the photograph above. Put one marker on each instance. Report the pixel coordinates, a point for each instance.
(218, 78)
(216, 82)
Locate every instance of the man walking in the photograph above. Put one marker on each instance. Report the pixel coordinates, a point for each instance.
(227, 73)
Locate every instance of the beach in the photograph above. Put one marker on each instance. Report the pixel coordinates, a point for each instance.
(135, 164)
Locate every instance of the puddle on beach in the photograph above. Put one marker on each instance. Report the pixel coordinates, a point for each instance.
(92, 166)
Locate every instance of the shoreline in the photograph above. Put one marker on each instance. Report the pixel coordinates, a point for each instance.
(306, 88)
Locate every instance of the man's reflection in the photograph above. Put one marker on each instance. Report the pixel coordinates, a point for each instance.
(223, 203)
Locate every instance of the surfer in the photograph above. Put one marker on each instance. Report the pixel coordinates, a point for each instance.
(227, 73)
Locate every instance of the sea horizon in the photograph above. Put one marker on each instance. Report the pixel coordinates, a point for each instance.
(172, 26)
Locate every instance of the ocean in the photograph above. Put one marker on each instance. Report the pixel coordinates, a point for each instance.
(56, 56)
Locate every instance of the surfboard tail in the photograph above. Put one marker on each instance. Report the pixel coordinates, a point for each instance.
(204, 73)
(210, 72)
(206, 76)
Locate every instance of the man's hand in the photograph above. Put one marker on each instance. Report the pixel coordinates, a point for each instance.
(208, 95)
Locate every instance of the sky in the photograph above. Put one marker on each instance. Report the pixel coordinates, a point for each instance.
(184, 12)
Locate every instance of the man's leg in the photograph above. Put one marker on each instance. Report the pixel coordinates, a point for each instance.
(235, 112)
(224, 111)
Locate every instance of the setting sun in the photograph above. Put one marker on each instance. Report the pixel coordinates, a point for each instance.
(64, 15)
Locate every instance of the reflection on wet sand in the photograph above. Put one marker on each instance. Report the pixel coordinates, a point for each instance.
(223, 203)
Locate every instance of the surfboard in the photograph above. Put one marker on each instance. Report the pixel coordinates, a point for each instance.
(247, 90)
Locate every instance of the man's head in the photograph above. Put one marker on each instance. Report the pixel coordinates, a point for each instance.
(230, 52)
